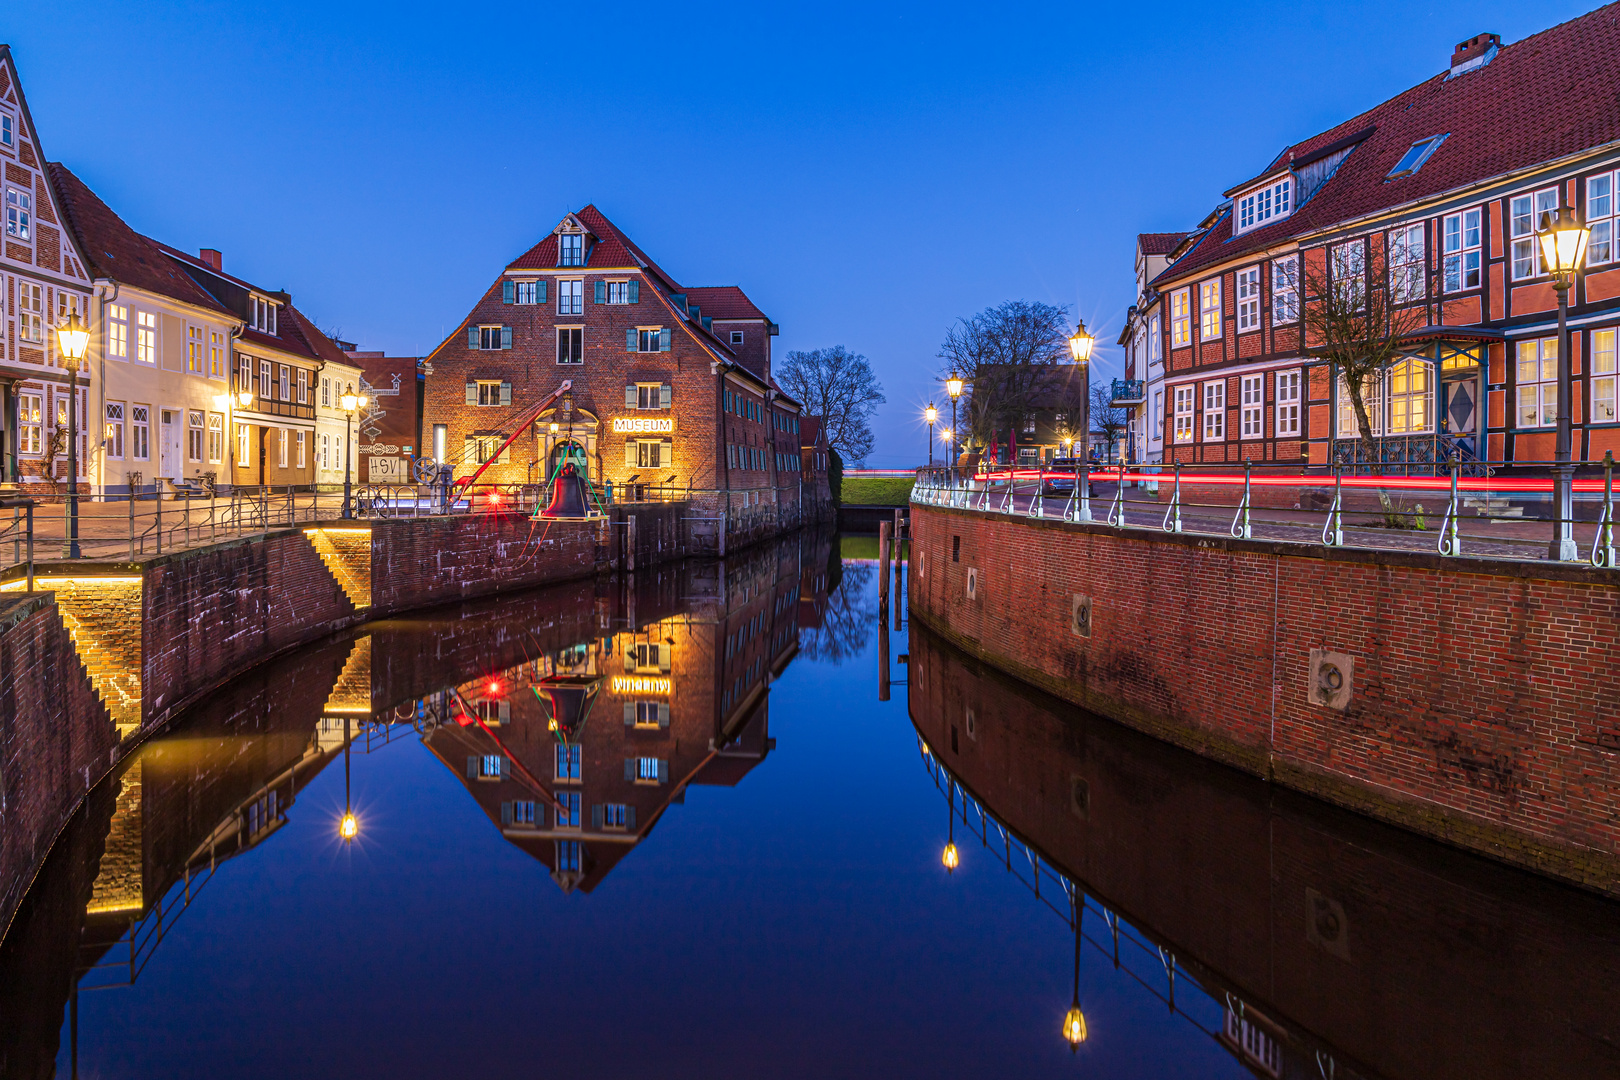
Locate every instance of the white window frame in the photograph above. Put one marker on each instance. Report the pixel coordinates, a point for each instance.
(146, 338)
(19, 213)
(1270, 202)
(570, 249)
(526, 292)
(736, 337)
(216, 354)
(265, 381)
(1186, 399)
(31, 424)
(303, 448)
(1215, 411)
(1605, 378)
(1286, 407)
(1210, 322)
(617, 292)
(284, 382)
(1461, 259)
(30, 313)
(570, 296)
(281, 447)
(1155, 345)
(1248, 299)
(303, 386)
(113, 440)
(196, 350)
(140, 432)
(1408, 263)
(489, 393)
(1348, 265)
(1181, 318)
(1285, 290)
(1252, 406)
(1410, 396)
(216, 438)
(196, 434)
(1524, 217)
(567, 336)
(118, 331)
(1372, 396)
(1600, 217)
(1533, 358)
(243, 445)
(8, 129)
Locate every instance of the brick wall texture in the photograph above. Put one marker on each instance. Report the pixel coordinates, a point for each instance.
(1483, 708)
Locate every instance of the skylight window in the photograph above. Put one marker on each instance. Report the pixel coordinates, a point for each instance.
(1413, 159)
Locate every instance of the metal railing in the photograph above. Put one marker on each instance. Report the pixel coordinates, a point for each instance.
(1492, 509)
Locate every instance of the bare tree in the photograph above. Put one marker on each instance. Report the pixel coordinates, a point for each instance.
(1356, 318)
(1106, 417)
(848, 618)
(1003, 353)
(838, 386)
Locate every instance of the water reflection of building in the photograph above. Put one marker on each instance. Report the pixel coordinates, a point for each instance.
(577, 752)
(1322, 944)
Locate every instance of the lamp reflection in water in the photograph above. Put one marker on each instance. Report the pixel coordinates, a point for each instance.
(950, 857)
(348, 824)
(1074, 1022)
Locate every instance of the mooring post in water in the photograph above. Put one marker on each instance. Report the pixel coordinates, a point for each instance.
(899, 583)
(883, 658)
(630, 543)
(884, 530)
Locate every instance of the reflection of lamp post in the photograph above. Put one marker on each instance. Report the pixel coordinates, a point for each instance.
(931, 414)
(1074, 1022)
(351, 403)
(74, 339)
(348, 825)
(1563, 237)
(1080, 345)
(950, 857)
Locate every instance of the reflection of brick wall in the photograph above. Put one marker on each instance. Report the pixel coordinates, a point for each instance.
(1225, 871)
(1483, 707)
(55, 736)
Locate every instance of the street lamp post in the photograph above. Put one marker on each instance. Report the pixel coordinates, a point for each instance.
(74, 339)
(953, 387)
(350, 402)
(1080, 346)
(931, 414)
(1563, 237)
(1074, 1021)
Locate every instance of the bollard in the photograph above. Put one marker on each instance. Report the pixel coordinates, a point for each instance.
(899, 585)
(630, 543)
(883, 567)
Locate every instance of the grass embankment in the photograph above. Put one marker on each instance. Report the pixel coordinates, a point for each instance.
(876, 491)
(866, 547)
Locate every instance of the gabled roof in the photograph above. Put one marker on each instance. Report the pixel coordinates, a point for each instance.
(1159, 243)
(1546, 97)
(724, 302)
(114, 250)
(295, 333)
(809, 430)
(612, 249)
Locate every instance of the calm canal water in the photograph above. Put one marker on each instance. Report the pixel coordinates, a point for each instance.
(684, 828)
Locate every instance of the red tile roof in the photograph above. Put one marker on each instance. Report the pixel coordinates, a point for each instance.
(723, 302)
(116, 251)
(1551, 95)
(1159, 243)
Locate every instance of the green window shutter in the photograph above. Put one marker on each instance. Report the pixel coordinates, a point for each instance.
(472, 766)
(630, 396)
(630, 462)
(629, 768)
(664, 393)
(663, 716)
(629, 713)
(506, 298)
(506, 337)
(506, 393)
(635, 291)
(601, 292)
(663, 341)
(663, 771)
(596, 815)
(472, 337)
(630, 340)
(472, 393)
(506, 813)
(540, 292)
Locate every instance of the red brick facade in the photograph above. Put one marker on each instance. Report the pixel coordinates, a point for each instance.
(1481, 708)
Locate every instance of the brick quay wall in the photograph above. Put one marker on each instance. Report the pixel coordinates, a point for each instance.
(1469, 700)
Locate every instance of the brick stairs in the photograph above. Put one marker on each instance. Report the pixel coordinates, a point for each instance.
(103, 616)
(347, 556)
(351, 695)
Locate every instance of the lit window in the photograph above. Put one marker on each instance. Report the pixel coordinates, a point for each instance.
(1184, 414)
(1460, 241)
(570, 249)
(284, 382)
(1209, 309)
(303, 448)
(281, 447)
(303, 387)
(1415, 156)
(194, 435)
(648, 454)
(1287, 407)
(1251, 405)
(1214, 410)
(1524, 218)
(649, 396)
(114, 440)
(1603, 377)
(30, 415)
(216, 438)
(570, 298)
(326, 392)
(1248, 298)
(146, 337)
(1372, 398)
(264, 379)
(216, 354)
(117, 330)
(1265, 204)
(570, 344)
(1180, 318)
(1155, 346)
(140, 432)
(1538, 383)
(1407, 263)
(615, 816)
(196, 350)
(568, 761)
(523, 812)
(1285, 290)
(30, 312)
(491, 766)
(242, 444)
(1600, 218)
(651, 770)
(1411, 398)
(19, 214)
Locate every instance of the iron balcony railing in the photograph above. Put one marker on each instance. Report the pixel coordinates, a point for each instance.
(1127, 392)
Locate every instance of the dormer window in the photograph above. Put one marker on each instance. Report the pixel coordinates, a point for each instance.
(262, 315)
(1413, 159)
(570, 249)
(1265, 204)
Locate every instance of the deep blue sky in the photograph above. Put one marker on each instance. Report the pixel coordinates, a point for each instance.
(867, 174)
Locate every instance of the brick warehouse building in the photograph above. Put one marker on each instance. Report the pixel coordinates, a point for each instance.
(671, 386)
(1434, 195)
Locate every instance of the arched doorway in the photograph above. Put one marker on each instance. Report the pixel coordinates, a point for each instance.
(567, 449)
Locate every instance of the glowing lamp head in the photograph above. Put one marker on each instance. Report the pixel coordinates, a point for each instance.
(1074, 1028)
(74, 338)
(349, 826)
(953, 386)
(494, 686)
(349, 401)
(1563, 236)
(495, 498)
(1080, 344)
(244, 398)
(950, 858)
(946, 434)
(931, 414)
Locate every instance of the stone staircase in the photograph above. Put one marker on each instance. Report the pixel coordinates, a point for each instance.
(351, 695)
(347, 555)
(103, 616)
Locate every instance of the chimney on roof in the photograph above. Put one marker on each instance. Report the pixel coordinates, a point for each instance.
(1477, 51)
(213, 258)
